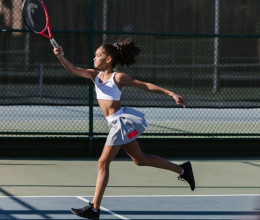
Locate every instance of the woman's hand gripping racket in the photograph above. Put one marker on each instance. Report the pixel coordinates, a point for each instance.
(36, 18)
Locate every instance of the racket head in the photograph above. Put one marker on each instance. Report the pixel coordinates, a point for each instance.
(35, 16)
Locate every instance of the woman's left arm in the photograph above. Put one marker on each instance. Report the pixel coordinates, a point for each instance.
(127, 80)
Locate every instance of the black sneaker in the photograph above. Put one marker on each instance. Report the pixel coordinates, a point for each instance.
(187, 175)
(86, 212)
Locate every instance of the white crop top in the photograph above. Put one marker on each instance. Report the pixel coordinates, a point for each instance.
(107, 90)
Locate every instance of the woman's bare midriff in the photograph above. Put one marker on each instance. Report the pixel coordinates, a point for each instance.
(109, 107)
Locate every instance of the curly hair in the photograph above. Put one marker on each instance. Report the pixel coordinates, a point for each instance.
(122, 52)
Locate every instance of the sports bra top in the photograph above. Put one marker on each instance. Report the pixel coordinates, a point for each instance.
(107, 90)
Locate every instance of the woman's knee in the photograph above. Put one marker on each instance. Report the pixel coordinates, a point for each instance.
(142, 161)
(103, 163)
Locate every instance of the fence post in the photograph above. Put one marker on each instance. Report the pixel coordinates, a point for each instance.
(216, 48)
(105, 9)
(91, 52)
(27, 50)
(41, 72)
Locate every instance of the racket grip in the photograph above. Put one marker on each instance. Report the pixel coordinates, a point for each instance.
(54, 43)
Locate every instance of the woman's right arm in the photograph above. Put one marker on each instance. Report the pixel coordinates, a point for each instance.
(86, 73)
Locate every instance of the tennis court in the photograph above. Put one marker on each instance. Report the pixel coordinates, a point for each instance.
(47, 189)
(206, 51)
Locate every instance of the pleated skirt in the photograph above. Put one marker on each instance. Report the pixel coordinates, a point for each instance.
(124, 126)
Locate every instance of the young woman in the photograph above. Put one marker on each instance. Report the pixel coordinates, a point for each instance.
(125, 123)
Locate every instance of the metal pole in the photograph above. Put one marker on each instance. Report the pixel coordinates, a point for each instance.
(104, 37)
(91, 52)
(41, 80)
(27, 50)
(216, 48)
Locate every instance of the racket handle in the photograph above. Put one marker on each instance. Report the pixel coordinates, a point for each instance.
(54, 43)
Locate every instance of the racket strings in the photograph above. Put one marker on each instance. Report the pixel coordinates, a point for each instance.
(34, 15)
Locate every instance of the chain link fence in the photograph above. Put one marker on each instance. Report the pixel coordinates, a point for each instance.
(206, 51)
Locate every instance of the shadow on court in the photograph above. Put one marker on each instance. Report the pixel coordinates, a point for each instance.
(133, 207)
(6, 214)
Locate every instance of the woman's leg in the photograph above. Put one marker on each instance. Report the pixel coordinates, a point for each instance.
(141, 159)
(108, 153)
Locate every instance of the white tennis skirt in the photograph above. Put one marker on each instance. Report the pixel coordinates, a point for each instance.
(125, 125)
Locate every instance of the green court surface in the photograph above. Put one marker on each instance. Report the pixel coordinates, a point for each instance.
(35, 177)
(223, 187)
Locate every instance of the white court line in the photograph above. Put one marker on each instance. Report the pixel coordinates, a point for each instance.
(137, 196)
(216, 195)
(104, 209)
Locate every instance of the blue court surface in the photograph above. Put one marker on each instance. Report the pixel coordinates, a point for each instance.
(134, 207)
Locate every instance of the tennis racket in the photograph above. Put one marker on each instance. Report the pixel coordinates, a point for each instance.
(36, 18)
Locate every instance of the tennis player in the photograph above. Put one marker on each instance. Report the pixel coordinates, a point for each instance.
(125, 123)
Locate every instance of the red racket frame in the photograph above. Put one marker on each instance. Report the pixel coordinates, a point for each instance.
(47, 27)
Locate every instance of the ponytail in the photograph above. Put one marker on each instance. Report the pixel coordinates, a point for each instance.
(122, 52)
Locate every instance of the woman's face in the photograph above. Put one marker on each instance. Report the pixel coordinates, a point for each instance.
(101, 60)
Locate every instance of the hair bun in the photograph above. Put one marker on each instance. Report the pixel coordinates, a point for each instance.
(122, 52)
